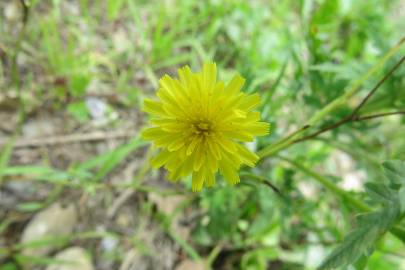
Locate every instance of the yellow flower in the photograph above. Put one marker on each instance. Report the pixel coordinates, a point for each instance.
(199, 124)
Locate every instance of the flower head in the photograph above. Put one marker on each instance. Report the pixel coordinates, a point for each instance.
(200, 124)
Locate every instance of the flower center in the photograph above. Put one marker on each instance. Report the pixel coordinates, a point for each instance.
(202, 128)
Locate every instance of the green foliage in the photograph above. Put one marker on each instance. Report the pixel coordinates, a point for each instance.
(79, 111)
(371, 226)
(9, 266)
(5, 156)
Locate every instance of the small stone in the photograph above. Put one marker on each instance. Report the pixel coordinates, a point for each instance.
(109, 243)
(11, 11)
(39, 127)
(133, 261)
(55, 221)
(121, 41)
(166, 204)
(73, 258)
(100, 112)
(97, 107)
(189, 264)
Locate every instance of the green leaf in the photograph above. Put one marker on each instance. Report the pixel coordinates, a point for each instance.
(30, 206)
(8, 266)
(79, 111)
(23, 259)
(113, 8)
(395, 171)
(371, 226)
(78, 84)
(117, 156)
(361, 263)
(380, 192)
(354, 245)
(361, 240)
(5, 156)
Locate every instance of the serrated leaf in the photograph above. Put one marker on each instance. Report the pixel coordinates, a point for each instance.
(353, 246)
(379, 192)
(361, 240)
(361, 263)
(395, 171)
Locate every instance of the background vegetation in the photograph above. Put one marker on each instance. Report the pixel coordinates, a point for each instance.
(73, 75)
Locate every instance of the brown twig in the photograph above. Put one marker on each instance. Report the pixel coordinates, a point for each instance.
(292, 134)
(67, 139)
(367, 117)
(354, 115)
(377, 86)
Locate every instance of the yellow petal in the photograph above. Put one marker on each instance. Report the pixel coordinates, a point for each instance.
(235, 85)
(187, 166)
(240, 135)
(250, 102)
(174, 175)
(210, 180)
(212, 163)
(258, 128)
(198, 180)
(185, 76)
(209, 76)
(214, 149)
(230, 173)
(152, 133)
(153, 107)
(171, 125)
(167, 84)
(165, 139)
(249, 158)
(161, 159)
(172, 163)
(192, 145)
(177, 144)
(199, 157)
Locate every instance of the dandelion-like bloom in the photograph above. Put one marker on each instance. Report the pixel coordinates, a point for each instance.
(200, 125)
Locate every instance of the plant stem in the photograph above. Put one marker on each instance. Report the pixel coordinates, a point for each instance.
(263, 181)
(359, 205)
(366, 117)
(377, 86)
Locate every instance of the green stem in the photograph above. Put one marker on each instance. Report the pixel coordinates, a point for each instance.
(213, 255)
(359, 205)
(273, 149)
(263, 181)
